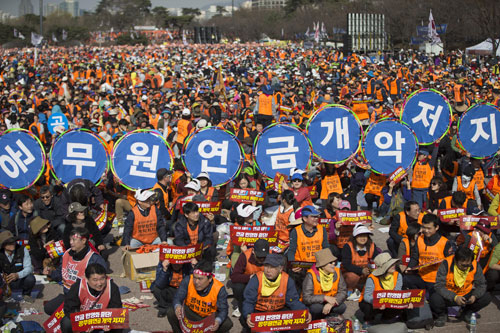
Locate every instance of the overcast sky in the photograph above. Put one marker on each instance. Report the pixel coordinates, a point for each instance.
(12, 6)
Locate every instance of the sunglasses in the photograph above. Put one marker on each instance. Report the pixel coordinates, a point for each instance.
(45, 196)
(296, 180)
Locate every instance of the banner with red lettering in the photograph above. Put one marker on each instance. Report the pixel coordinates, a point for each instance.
(279, 321)
(53, 324)
(325, 221)
(205, 207)
(55, 249)
(448, 215)
(279, 179)
(205, 325)
(347, 217)
(102, 218)
(180, 254)
(249, 235)
(104, 319)
(330, 326)
(398, 299)
(397, 175)
(247, 196)
(467, 222)
(405, 260)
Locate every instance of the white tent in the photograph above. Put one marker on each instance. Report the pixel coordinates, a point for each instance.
(483, 48)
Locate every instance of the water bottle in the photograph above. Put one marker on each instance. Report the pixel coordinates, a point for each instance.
(473, 322)
(357, 326)
(217, 267)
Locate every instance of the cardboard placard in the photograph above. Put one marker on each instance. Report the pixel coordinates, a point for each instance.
(397, 175)
(180, 254)
(398, 299)
(247, 196)
(55, 249)
(205, 207)
(53, 324)
(325, 221)
(145, 286)
(279, 321)
(140, 266)
(448, 215)
(347, 217)
(467, 222)
(99, 319)
(279, 178)
(188, 326)
(318, 326)
(249, 235)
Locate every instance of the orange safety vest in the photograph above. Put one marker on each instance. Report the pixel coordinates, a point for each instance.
(479, 179)
(165, 194)
(469, 191)
(251, 268)
(375, 184)
(317, 284)
(428, 254)
(203, 305)
(145, 226)
(307, 246)
(361, 110)
(495, 188)
(274, 302)
(182, 130)
(361, 261)
(403, 223)
(378, 285)
(154, 120)
(210, 193)
(89, 301)
(282, 221)
(193, 234)
(469, 280)
(422, 176)
(329, 184)
(265, 105)
(448, 199)
(73, 269)
(457, 93)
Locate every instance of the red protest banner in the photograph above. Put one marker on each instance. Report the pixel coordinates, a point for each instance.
(247, 196)
(278, 182)
(205, 207)
(279, 321)
(325, 221)
(145, 286)
(312, 191)
(55, 249)
(204, 325)
(398, 299)
(102, 218)
(467, 222)
(319, 326)
(405, 260)
(180, 254)
(397, 175)
(347, 217)
(53, 324)
(249, 235)
(447, 215)
(104, 319)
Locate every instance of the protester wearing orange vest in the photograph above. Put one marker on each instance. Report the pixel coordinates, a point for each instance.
(324, 290)
(164, 177)
(206, 189)
(481, 241)
(283, 216)
(459, 282)
(144, 223)
(265, 108)
(199, 296)
(407, 245)
(271, 290)
(397, 230)
(373, 190)
(384, 277)
(467, 184)
(248, 264)
(431, 249)
(184, 127)
(94, 291)
(422, 175)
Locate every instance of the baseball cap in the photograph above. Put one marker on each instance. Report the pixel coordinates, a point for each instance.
(76, 207)
(5, 196)
(160, 173)
(483, 225)
(143, 195)
(194, 185)
(261, 248)
(297, 176)
(203, 174)
(186, 112)
(309, 210)
(345, 204)
(245, 210)
(274, 260)
(360, 229)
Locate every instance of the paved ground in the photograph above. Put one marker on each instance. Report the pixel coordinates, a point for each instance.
(146, 320)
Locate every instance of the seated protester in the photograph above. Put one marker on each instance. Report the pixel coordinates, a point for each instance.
(83, 191)
(395, 197)
(206, 189)
(144, 223)
(492, 269)
(356, 257)
(192, 228)
(459, 282)
(49, 207)
(270, 290)
(373, 191)
(93, 291)
(168, 279)
(456, 200)
(437, 192)
(407, 246)
(493, 209)
(7, 210)
(200, 295)
(431, 249)
(79, 217)
(19, 224)
(162, 186)
(301, 192)
(467, 184)
(384, 277)
(74, 262)
(251, 262)
(324, 290)
(192, 193)
(244, 218)
(411, 213)
(481, 241)
(41, 234)
(283, 216)
(15, 265)
(338, 234)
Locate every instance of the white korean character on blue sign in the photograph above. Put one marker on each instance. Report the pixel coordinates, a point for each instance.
(428, 112)
(342, 132)
(384, 141)
(79, 155)
(283, 157)
(143, 161)
(478, 130)
(210, 149)
(16, 160)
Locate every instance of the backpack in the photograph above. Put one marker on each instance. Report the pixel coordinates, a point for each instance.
(420, 318)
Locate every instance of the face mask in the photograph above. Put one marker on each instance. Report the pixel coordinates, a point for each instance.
(466, 179)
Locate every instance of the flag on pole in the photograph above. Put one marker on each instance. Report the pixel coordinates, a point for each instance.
(324, 34)
(307, 32)
(184, 39)
(21, 36)
(36, 39)
(54, 39)
(16, 33)
(169, 34)
(316, 33)
(64, 35)
(432, 32)
(282, 32)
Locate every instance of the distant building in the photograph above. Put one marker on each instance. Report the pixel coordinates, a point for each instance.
(71, 7)
(268, 4)
(25, 7)
(5, 16)
(246, 4)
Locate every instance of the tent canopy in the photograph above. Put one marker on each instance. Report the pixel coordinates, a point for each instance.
(483, 48)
